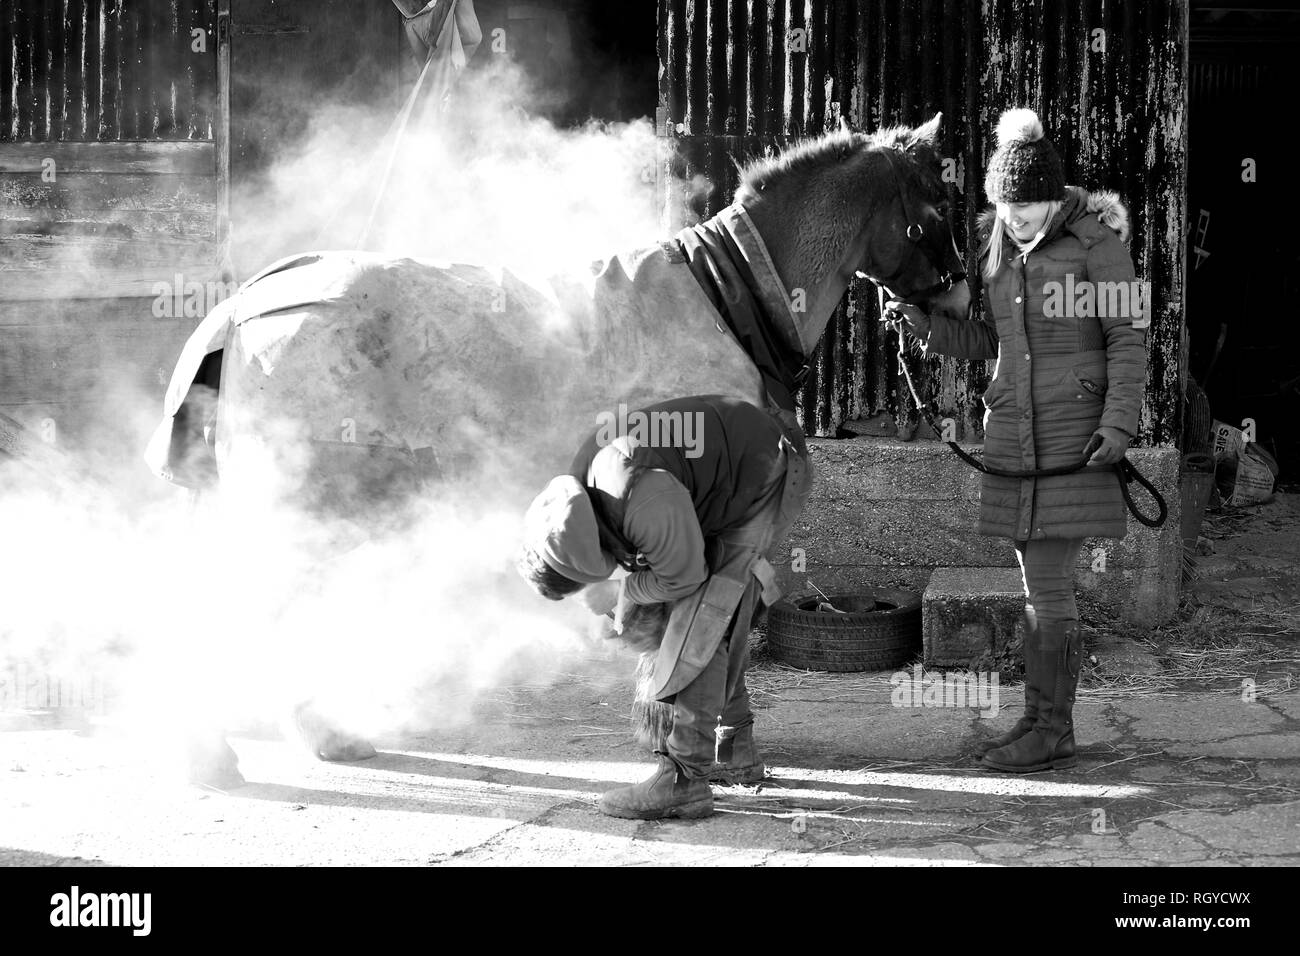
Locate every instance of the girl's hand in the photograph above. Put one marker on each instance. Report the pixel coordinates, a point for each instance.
(898, 312)
(1108, 446)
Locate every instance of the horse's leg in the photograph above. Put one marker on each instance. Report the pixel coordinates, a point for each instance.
(325, 740)
(211, 760)
(652, 720)
(372, 493)
(196, 724)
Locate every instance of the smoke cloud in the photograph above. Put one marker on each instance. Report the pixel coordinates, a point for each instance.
(232, 608)
(483, 180)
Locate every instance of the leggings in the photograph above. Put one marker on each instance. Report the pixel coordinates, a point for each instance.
(1048, 568)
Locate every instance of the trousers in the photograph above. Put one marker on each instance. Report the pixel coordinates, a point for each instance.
(1047, 565)
(717, 695)
(716, 698)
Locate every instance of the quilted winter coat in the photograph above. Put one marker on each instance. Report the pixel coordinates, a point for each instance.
(1058, 378)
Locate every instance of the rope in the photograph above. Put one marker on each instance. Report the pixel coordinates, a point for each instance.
(402, 119)
(395, 130)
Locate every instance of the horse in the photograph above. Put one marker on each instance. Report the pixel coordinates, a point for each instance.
(368, 379)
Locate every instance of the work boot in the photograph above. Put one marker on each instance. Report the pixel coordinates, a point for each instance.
(1029, 649)
(1050, 745)
(737, 760)
(668, 792)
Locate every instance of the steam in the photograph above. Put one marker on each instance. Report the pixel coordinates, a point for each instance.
(232, 609)
(484, 182)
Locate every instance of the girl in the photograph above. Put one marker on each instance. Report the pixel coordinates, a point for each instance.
(1070, 342)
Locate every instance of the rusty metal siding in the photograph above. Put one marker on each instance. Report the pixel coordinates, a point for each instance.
(731, 84)
(106, 70)
(1115, 103)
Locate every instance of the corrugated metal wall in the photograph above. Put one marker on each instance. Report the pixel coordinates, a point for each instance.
(740, 76)
(108, 187)
(106, 70)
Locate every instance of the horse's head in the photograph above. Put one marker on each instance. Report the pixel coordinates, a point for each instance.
(848, 203)
(907, 244)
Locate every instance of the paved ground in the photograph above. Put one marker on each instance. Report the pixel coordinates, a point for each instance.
(1179, 779)
(1183, 777)
(1250, 557)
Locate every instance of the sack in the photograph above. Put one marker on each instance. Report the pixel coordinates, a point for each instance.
(1249, 479)
(1228, 442)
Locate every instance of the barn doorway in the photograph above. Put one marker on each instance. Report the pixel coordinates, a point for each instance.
(585, 59)
(1243, 250)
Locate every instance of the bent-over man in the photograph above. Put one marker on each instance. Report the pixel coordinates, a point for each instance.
(690, 521)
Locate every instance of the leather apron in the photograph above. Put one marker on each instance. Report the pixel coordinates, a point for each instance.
(740, 574)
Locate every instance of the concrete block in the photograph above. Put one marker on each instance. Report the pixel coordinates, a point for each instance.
(1138, 577)
(886, 513)
(970, 618)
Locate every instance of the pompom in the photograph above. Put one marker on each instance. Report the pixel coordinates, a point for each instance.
(1020, 125)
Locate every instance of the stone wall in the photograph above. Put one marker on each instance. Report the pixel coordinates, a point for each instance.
(886, 513)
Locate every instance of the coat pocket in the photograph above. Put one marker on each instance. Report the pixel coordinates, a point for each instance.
(1084, 385)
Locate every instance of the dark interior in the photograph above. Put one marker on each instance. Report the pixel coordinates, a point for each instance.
(1243, 250)
(595, 59)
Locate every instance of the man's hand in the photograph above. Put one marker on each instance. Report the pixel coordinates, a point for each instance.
(898, 313)
(1107, 445)
(601, 597)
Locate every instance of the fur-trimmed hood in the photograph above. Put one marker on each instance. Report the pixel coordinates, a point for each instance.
(1079, 204)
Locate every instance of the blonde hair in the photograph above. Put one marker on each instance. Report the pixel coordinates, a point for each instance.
(994, 262)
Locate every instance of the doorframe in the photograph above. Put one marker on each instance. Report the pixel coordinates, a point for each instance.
(221, 138)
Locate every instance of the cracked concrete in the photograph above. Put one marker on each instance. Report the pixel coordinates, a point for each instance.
(1190, 779)
(1197, 776)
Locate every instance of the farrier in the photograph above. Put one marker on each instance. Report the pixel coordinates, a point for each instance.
(691, 526)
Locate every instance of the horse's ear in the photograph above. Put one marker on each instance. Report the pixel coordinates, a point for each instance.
(928, 133)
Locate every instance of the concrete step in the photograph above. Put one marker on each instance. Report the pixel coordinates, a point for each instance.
(971, 618)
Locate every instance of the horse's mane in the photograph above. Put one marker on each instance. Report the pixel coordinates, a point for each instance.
(808, 157)
(829, 185)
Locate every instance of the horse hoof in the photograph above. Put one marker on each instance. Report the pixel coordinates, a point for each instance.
(214, 765)
(222, 778)
(343, 749)
(326, 741)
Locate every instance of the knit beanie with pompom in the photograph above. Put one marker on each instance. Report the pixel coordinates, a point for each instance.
(1025, 166)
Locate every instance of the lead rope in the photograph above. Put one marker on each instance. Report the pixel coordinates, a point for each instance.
(396, 130)
(1125, 471)
(403, 118)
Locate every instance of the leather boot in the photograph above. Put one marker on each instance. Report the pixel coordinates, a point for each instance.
(668, 792)
(1033, 677)
(1050, 745)
(737, 760)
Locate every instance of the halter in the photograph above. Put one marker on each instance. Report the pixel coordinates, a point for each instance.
(917, 235)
